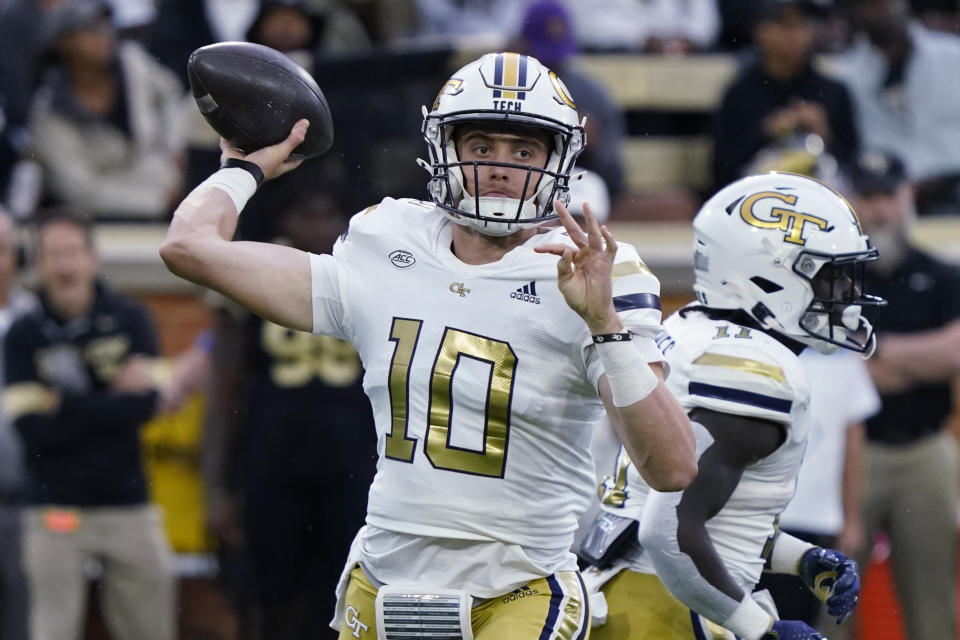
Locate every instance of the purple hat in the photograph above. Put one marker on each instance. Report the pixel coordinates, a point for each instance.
(548, 32)
(71, 16)
(770, 10)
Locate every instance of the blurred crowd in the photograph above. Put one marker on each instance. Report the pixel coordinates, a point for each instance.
(95, 110)
(98, 126)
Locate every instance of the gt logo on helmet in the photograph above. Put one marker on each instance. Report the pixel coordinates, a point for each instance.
(561, 89)
(791, 222)
(452, 87)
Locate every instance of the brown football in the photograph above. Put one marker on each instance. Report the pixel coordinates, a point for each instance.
(252, 95)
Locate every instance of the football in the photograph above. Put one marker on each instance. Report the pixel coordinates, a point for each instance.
(252, 95)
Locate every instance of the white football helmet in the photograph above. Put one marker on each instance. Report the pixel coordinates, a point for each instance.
(502, 90)
(789, 251)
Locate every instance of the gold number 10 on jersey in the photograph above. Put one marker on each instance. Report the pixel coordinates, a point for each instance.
(456, 344)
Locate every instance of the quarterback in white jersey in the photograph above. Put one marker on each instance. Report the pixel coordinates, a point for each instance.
(778, 262)
(487, 361)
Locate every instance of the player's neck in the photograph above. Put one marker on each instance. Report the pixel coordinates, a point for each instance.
(472, 247)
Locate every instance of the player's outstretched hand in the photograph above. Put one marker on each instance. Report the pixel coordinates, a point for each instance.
(273, 160)
(832, 577)
(792, 630)
(584, 270)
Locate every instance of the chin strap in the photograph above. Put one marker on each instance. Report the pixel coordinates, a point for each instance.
(872, 346)
(852, 317)
(762, 314)
(817, 322)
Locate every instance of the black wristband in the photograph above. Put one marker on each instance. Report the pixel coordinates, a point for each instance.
(600, 338)
(251, 167)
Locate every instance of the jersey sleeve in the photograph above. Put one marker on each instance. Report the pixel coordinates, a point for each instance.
(636, 298)
(326, 296)
(636, 294)
(743, 380)
(20, 365)
(330, 276)
(864, 399)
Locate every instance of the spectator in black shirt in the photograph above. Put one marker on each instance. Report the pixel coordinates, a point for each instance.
(910, 488)
(78, 388)
(8, 151)
(780, 113)
(14, 301)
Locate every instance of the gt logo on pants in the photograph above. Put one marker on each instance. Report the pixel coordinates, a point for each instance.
(353, 622)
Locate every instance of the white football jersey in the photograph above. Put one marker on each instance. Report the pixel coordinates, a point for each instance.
(728, 368)
(482, 379)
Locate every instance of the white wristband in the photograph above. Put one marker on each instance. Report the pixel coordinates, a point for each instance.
(787, 552)
(749, 621)
(630, 378)
(237, 183)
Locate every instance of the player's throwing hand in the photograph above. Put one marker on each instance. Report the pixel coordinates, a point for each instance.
(272, 160)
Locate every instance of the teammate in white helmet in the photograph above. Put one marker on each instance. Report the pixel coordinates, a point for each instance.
(488, 362)
(778, 262)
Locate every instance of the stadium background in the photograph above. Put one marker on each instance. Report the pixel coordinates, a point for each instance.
(667, 101)
(687, 88)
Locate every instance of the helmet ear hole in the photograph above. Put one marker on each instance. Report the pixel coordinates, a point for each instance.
(768, 286)
(761, 312)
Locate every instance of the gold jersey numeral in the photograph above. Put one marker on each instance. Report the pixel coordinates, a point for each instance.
(723, 332)
(458, 344)
(454, 346)
(404, 334)
(613, 491)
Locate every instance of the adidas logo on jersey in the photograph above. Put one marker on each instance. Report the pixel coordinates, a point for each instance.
(526, 293)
